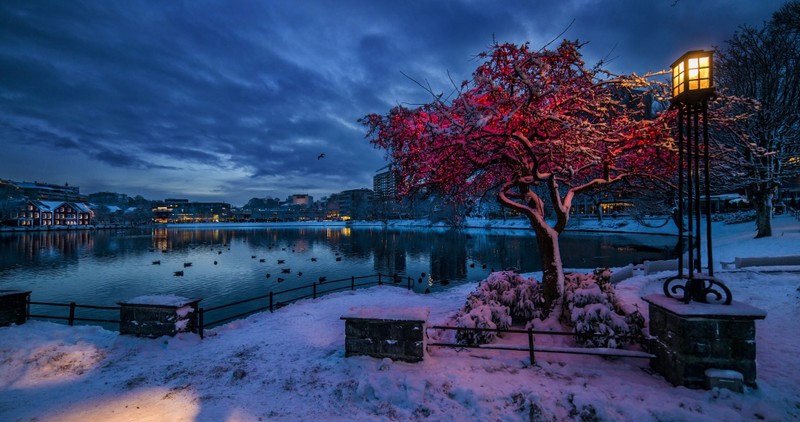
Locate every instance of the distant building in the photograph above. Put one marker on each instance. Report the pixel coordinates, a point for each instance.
(385, 204)
(49, 192)
(53, 213)
(300, 199)
(45, 204)
(354, 204)
(172, 210)
(384, 184)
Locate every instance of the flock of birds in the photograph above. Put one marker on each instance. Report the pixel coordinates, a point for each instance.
(395, 278)
(268, 275)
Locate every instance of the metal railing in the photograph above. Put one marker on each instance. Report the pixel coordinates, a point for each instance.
(531, 347)
(278, 299)
(71, 318)
(271, 301)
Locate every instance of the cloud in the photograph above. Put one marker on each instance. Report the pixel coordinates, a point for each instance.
(253, 92)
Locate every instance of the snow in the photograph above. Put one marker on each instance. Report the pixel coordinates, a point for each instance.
(290, 365)
(388, 314)
(183, 311)
(736, 309)
(724, 373)
(160, 300)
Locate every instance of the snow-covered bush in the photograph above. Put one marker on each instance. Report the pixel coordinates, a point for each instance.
(504, 297)
(480, 314)
(522, 296)
(591, 307)
(740, 217)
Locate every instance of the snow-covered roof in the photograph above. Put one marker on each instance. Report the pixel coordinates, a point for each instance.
(80, 206)
(49, 205)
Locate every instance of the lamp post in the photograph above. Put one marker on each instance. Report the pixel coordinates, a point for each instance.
(692, 88)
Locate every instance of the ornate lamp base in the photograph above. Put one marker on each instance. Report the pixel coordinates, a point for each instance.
(697, 287)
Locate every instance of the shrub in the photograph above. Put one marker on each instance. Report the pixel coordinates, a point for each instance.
(739, 217)
(480, 314)
(592, 309)
(504, 297)
(589, 306)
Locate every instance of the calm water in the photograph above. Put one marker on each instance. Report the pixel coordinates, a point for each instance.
(105, 267)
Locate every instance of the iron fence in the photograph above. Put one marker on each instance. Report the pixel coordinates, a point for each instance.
(278, 299)
(73, 307)
(531, 347)
(267, 302)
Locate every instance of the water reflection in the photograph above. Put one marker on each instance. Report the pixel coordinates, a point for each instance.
(103, 267)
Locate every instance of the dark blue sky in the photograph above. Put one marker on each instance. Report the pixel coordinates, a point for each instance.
(229, 100)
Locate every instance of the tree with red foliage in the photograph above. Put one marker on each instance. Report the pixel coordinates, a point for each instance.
(539, 127)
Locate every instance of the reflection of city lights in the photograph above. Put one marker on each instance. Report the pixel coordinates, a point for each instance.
(301, 245)
(346, 231)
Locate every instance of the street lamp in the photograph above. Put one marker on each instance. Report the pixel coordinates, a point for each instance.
(693, 77)
(692, 88)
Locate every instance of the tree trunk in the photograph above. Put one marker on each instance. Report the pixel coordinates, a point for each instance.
(762, 203)
(552, 270)
(763, 219)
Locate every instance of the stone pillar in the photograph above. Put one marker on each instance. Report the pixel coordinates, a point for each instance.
(689, 339)
(386, 333)
(156, 316)
(13, 307)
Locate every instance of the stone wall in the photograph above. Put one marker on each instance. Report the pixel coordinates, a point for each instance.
(153, 320)
(689, 339)
(386, 333)
(13, 307)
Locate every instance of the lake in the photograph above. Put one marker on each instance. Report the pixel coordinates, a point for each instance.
(103, 267)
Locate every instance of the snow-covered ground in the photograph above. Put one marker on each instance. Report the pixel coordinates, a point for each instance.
(290, 365)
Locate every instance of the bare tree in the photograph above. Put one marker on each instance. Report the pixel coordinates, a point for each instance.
(762, 64)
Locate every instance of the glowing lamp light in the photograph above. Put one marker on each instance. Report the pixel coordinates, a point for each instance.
(693, 77)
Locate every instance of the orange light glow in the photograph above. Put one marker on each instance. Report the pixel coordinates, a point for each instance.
(692, 75)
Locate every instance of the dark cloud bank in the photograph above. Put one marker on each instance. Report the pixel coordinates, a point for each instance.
(231, 100)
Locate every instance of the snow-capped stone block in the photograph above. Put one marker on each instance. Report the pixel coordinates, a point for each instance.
(690, 338)
(385, 314)
(13, 307)
(156, 316)
(724, 378)
(652, 267)
(767, 261)
(395, 333)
